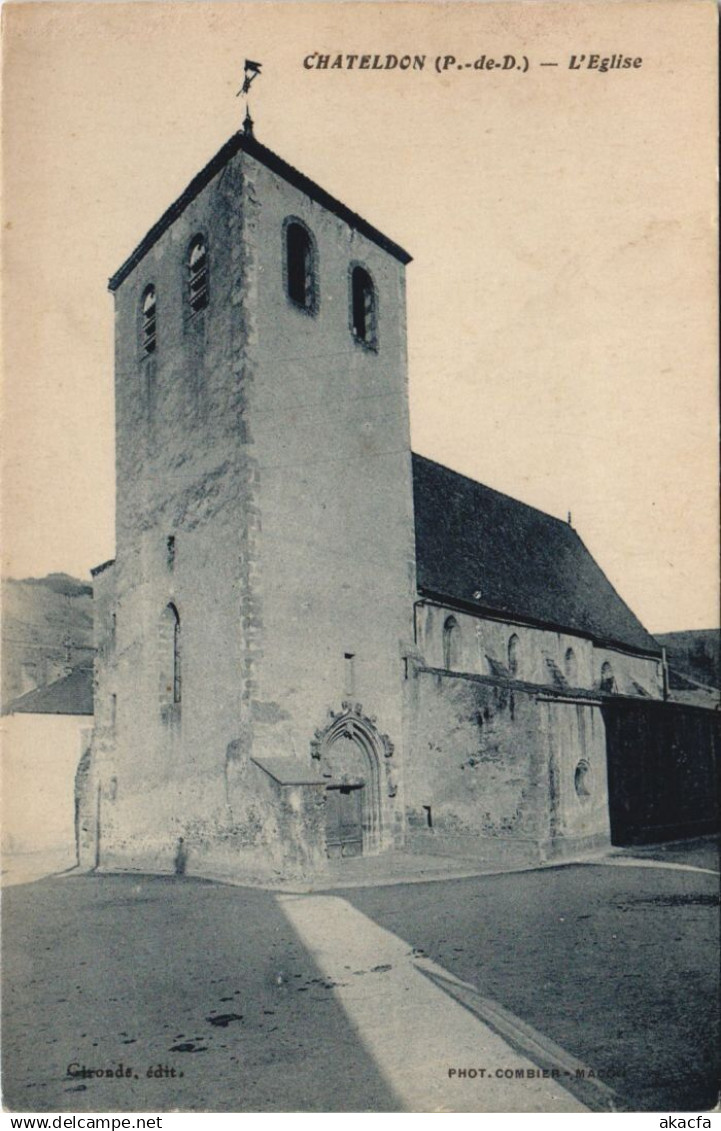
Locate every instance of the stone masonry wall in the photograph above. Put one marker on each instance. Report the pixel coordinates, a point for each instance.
(483, 644)
(263, 502)
(492, 769)
(183, 473)
(577, 773)
(329, 432)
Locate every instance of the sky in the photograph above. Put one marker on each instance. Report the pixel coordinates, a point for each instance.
(562, 296)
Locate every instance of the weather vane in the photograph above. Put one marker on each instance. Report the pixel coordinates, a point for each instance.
(251, 71)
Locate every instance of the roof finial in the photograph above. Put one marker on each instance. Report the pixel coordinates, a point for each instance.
(251, 71)
(570, 519)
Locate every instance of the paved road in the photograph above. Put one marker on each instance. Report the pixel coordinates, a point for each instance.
(118, 969)
(272, 1003)
(617, 965)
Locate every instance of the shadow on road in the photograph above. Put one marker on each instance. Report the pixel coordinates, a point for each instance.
(617, 966)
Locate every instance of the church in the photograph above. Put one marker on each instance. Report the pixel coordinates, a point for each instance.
(314, 644)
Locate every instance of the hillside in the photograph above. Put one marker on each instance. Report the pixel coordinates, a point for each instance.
(694, 654)
(47, 630)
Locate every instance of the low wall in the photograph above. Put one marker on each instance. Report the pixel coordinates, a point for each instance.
(272, 829)
(663, 770)
(40, 756)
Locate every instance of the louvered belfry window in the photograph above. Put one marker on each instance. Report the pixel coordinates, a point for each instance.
(300, 267)
(149, 320)
(363, 307)
(198, 274)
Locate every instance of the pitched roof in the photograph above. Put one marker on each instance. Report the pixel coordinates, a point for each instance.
(70, 695)
(102, 567)
(289, 770)
(494, 554)
(246, 143)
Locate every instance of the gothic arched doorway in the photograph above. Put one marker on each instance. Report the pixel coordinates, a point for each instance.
(350, 750)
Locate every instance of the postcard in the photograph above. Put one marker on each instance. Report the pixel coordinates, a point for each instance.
(360, 626)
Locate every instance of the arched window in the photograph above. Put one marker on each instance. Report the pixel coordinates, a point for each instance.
(300, 266)
(149, 320)
(198, 274)
(170, 685)
(608, 681)
(451, 644)
(513, 648)
(364, 314)
(570, 667)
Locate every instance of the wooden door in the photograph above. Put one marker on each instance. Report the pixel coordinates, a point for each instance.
(344, 828)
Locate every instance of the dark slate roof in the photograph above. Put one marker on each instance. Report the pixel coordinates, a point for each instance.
(491, 553)
(102, 567)
(70, 695)
(61, 583)
(246, 143)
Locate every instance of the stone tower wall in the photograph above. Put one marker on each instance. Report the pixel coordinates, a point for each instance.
(264, 496)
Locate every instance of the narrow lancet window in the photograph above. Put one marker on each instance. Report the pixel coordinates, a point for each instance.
(608, 680)
(451, 644)
(170, 657)
(176, 659)
(513, 649)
